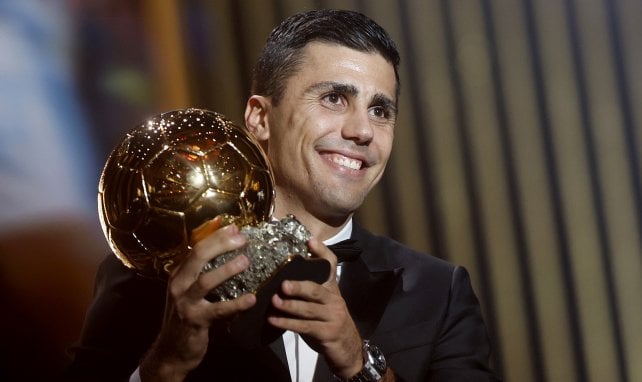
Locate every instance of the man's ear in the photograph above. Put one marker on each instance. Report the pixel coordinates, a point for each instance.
(256, 117)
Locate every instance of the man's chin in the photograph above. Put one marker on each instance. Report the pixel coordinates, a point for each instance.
(340, 210)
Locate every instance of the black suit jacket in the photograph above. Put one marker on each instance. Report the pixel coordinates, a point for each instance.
(419, 310)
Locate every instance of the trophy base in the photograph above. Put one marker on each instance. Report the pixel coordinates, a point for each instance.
(250, 328)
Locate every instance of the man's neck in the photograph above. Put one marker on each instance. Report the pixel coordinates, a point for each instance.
(320, 228)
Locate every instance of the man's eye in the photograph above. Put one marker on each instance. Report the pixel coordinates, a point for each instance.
(379, 112)
(333, 98)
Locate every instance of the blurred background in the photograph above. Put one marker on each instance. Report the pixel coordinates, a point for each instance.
(517, 154)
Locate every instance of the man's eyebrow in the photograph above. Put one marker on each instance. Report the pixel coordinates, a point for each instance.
(337, 87)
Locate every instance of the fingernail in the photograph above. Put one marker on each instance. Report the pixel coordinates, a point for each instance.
(232, 228)
(237, 239)
(242, 261)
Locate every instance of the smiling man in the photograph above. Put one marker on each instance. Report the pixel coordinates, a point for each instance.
(324, 107)
(329, 135)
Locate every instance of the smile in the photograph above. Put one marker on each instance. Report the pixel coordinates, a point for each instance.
(353, 164)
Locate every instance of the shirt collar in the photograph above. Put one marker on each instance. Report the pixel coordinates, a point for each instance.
(344, 234)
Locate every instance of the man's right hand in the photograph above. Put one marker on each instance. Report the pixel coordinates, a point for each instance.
(184, 336)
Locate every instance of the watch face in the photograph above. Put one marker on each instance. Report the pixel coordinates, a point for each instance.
(375, 357)
(375, 365)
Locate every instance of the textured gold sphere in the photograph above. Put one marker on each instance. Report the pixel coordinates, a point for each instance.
(171, 174)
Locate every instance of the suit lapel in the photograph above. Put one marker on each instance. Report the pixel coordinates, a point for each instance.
(278, 348)
(273, 357)
(322, 371)
(366, 294)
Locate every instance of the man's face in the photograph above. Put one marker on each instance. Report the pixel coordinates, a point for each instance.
(331, 134)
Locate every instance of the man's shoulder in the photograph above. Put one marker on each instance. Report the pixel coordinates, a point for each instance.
(385, 250)
(114, 277)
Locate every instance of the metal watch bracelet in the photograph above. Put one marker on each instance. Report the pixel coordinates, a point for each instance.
(374, 365)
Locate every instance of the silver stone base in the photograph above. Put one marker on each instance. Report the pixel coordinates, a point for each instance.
(270, 246)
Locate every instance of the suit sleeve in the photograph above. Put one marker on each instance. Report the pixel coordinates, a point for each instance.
(121, 323)
(462, 349)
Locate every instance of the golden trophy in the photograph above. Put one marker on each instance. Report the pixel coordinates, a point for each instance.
(177, 172)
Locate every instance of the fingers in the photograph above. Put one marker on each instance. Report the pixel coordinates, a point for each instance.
(225, 309)
(207, 281)
(304, 300)
(223, 240)
(301, 317)
(308, 300)
(188, 285)
(295, 304)
(305, 290)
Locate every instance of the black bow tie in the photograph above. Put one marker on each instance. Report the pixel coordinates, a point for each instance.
(346, 250)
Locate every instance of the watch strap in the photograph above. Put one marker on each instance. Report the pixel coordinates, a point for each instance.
(374, 365)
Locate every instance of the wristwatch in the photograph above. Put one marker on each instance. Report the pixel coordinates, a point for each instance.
(374, 366)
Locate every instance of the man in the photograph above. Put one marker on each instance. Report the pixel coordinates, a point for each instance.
(324, 107)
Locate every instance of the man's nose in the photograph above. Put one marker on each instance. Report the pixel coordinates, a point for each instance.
(358, 128)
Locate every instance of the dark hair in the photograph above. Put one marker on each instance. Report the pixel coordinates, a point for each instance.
(281, 55)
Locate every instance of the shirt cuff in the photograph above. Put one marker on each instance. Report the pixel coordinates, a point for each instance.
(135, 377)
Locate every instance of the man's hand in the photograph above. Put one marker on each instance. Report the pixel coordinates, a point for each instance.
(183, 339)
(319, 313)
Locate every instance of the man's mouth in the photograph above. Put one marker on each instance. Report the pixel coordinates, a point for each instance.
(353, 164)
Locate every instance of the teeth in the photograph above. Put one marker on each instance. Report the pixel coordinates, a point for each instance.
(347, 162)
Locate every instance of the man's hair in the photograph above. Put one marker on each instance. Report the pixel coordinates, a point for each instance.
(282, 53)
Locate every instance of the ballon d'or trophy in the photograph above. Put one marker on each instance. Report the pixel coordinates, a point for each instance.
(184, 173)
